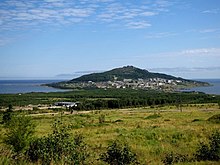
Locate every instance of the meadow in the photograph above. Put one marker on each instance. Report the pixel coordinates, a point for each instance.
(152, 133)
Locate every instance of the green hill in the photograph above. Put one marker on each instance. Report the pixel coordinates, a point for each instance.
(127, 72)
(128, 77)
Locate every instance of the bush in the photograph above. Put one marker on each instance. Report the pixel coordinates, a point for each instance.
(119, 154)
(35, 109)
(209, 151)
(197, 120)
(58, 147)
(101, 118)
(7, 115)
(215, 119)
(80, 152)
(172, 158)
(154, 116)
(19, 132)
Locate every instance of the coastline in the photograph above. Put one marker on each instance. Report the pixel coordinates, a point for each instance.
(28, 86)
(213, 88)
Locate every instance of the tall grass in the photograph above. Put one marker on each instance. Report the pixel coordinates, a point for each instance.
(151, 138)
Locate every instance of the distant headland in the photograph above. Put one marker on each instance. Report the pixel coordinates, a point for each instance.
(129, 77)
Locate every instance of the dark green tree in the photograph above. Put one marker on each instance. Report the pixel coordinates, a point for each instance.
(7, 115)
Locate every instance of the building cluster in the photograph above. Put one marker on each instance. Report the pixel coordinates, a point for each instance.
(152, 83)
(66, 104)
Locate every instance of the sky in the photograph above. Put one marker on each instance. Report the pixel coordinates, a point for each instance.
(65, 38)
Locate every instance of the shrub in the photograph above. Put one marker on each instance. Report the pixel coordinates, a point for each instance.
(209, 151)
(101, 118)
(154, 116)
(19, 133)
(80, 152)
(35, 109)
(7, 115)
(58, 147)
(215, 119)
(172, 158)
(196, 120)
(119, 154)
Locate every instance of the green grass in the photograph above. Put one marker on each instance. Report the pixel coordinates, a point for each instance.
(151, 135)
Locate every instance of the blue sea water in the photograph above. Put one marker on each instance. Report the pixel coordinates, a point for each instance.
(213, 89)
(26, 86)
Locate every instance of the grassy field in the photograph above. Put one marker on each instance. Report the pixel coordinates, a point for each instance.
(150, 132)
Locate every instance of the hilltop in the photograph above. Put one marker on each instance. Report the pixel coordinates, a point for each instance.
(119, 74)
(129, 77)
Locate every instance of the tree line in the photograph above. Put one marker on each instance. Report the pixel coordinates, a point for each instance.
(110, 98)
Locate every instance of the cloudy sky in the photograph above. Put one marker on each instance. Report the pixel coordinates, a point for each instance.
(45, 38)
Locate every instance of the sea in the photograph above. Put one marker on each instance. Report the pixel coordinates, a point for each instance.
(214, 87)
(28, 86)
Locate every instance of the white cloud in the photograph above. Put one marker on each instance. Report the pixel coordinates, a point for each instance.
(76, 12)
(201, 52)
(24, 14)
(203, 57)
(208, 30)
(186, 69)
(16, 13)
(138, 25)
(160, 35)
(191, 72)
(163, 3)
(148, 13)
(53, 0)
(211, 11)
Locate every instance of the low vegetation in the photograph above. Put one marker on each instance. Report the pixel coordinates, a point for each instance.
(215, 118)
(58, 147)
(147, 135)
(119, 154)
(18, 133)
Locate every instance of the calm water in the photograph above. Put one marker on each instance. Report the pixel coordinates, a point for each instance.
(27, 86)
(214, 89)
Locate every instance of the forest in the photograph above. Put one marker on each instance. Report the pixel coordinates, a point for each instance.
(108, 99)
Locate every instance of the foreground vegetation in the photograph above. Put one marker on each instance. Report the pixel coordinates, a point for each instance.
(147, 135)
(113, 126)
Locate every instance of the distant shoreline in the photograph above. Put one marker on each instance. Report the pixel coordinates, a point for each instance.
(28, 86)
(213, 88)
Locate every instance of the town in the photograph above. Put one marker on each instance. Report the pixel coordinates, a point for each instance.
(152, 83)
(146, 84)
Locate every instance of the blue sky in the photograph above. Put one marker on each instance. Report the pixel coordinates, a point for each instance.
(45, 38)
